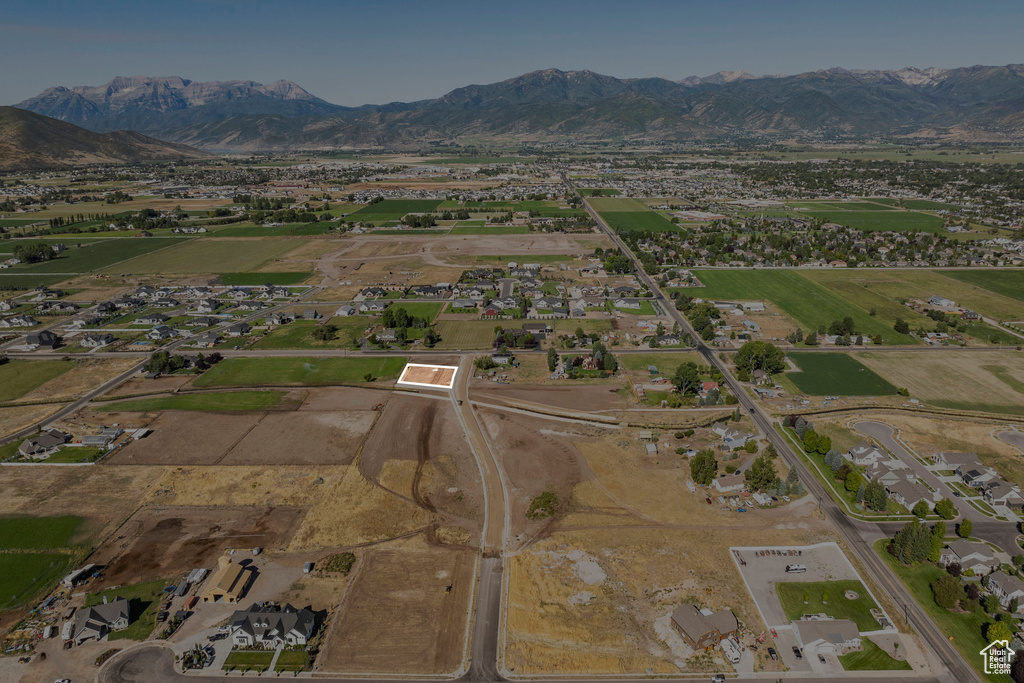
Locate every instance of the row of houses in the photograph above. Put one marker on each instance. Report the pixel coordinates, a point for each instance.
(970, 470)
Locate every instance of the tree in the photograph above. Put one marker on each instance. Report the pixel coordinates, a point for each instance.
(793, 483)
(921, 509)
(990, 604)
(704, 467)
(324, 332)
(998, 630)
(800, 427)
(761, 474)
(687, 379)
(876, 496)
(964, 528)
(911, 543)
(938, 541)
(945, 509)
(810, 441)
(1013, 606)
(759, 355)
(824, 445)
(947, 591)
(611, 364)
(854, 480)
(901, 326)
(861, 494)
(811, 339)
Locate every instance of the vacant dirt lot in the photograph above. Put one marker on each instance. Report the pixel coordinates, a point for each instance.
(578, 396)
(184, 438)
(399, 616)
(160, 542)
(306, 437)
(141, 385)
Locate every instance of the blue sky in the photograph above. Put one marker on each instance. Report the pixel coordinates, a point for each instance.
(355, 53)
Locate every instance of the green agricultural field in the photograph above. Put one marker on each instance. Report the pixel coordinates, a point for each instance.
(886, 289)
(100, 254)
(480, 160)
(221, 401)
(273, 278)
(19, 377)
(897, 221)
(144, 603)
(7, 246)
(18, 222)
(37, 533)
(460, 229)
(466, 334)
(399, 207)
(617, 205)
(1009, 283)
(918, 204)
(26, 577)
(605, 191)
(872, 658)
(249, 230)
(210, 255)
(25, 282)
(420, 309)
(630, 221)
(815, 597)
(299, 334)
(240, 372)
(836, 206)
(809, 304)
(825, 374)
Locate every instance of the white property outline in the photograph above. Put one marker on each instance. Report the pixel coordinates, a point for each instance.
(451, 384)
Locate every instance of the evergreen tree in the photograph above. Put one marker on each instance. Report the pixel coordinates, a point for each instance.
(861, 492)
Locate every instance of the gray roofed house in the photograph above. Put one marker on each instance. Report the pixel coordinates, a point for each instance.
(464, 303)
(703, 629)
(952, 461)
(373, 306)
(272, 626)
(346, 310)
(972, 555)
(159, 333)
(387, 335)
(44, 444)
(45, 338)
(908, 493)
(238, 329)
(831, 636)
(94, 341)
(150, 319)
(208, 340)
(865, 454)
(99, 620)
(1006, 587)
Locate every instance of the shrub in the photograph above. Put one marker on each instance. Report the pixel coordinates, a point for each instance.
(543, 505)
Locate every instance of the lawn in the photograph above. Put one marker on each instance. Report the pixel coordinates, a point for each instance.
(490, 229)
(899, 221)
(210, 255)
(808, 303)
(100, 254)
(398, 207)
(19, 377)
(76, 454)
(214, 402)
(292, 660)
(466, 334)
(144, 600)
(420, 309)
(964, 629)
(37, 533)
(872, 658)
(666, 363)
(299, 334)
(249, 659)
(1005, 282)
(824, 374)
(25, 577)
(252, 279)
(799, 598)
(645, 309)
(240, 372)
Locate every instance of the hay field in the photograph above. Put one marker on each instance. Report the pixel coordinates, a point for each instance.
(990, 381)
(85, 375)
(211, 255)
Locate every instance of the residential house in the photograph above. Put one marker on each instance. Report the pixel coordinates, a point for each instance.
(889, 472)
(388, 335)
(207, 305)
(228, 583)
(628, 303)
(703, 629)
(733, 438)
(272, 626)
(373, 292)
(250, 306)
(730, 483)
(956, 461)
(106, 308)
(238, 329)
(908, 493)
(7, 305)
(865, 454)
(1006, 587)
(95, 341)
(208, 340)
(43, 444)
(160, 333)
(126, 303)
(103, 439)
(828, 636)
(151, 319)
(44, 339)
(99, 620)
(973, 555)
(464, 303)
(202, 321)
(18, 321)
(346, 311)
(167, 302)
(372, 306)
(1002, 492)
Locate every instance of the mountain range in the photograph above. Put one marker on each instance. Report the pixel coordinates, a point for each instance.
(984, 102)
(30, 141)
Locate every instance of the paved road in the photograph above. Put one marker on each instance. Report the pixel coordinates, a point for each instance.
(855, 533)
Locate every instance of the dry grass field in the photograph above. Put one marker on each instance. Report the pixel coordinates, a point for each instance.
(399, 616)
(19, 417)
(86, 375)
(210, 255)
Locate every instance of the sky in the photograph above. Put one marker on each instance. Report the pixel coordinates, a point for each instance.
(377, 51)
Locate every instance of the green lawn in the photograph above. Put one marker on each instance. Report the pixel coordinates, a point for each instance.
(808, 303)
(1006, 282)
(19, 377)
(926, 204)
(792, 596)
(461, 229)
(872, 658)
(249, 659)
(37, 533)
(645, 309)
(303, 371)
(282, 278)
(466, 334)
(398, 207)
(26, 577)
(144, 599)
(965, 629)
(825, 374)
(420, 309)
(900, 221)
(299, 334)
(292, 660)
(228, 401)
(76, 454)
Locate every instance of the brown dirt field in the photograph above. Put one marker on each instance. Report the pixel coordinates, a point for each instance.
(141, 385)
(86, 375)
(104, 496)
(90, 294)
(533, 462)
(303, 437)
(342, 398)
(436, 376)
(580, 396)
(398, 616)
(167, 542)
(19, 417)
(184, 438)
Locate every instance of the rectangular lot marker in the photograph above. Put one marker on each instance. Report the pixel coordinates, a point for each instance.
(430, 376)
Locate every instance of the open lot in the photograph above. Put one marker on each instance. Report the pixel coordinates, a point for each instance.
(229, 401)
(834, 598)
(900, 221)
(19, 377)
(101, 254)
(299, 334)
(210, 255)
(400, 616)
(823, 374)
(304, 371)
(465, 334)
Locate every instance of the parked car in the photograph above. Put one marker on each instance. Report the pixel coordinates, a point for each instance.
(773, 654)
(821, 658)
(796, 651)
(718, 678)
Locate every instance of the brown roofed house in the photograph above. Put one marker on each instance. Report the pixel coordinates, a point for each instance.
(703, 629)
(228, 584)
